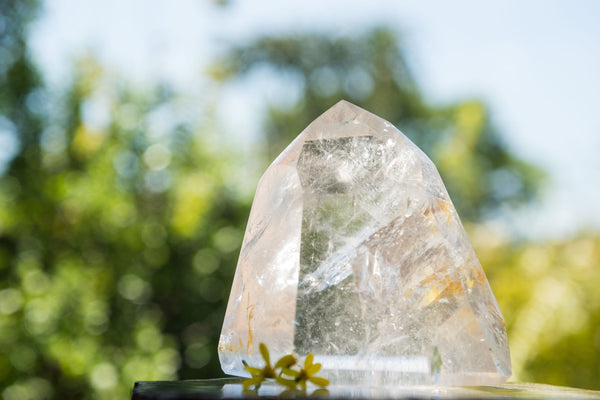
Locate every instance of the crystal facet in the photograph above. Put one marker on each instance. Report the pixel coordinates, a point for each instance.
(354, 252)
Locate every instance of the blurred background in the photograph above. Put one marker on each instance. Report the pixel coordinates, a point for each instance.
(133, 134)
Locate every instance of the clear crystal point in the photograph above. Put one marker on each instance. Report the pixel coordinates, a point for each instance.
(354, 252)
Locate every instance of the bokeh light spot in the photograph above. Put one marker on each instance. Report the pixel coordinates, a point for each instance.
(324, 81)
(228, 239)
(36, 282)
(157, 157)
(104, 376)
(158, 181)
(358, 84)
(205, 261)
(149, 338)
(23, 358)
(154, 234)
(134, 288)
(29, 389)
(197, 355)
(11, 300)
(8, 142)
(126, 164)
(167, 362)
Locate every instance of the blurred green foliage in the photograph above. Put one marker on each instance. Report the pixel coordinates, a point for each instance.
(125, 238)
(119, 234)
(120, 220)
(548, 292)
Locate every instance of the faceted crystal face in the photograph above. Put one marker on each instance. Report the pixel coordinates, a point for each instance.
(354, 252)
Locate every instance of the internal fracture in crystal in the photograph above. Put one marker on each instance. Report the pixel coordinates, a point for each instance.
(354, 252)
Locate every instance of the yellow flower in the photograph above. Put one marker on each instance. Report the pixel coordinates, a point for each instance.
(294, 378)
(267, 372)
(306, 374)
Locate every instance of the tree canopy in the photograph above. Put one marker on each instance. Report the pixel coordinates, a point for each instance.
(371, 70)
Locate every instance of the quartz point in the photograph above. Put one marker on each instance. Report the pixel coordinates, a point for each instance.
(354, 252)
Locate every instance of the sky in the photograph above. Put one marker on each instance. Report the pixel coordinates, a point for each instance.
(535, 63)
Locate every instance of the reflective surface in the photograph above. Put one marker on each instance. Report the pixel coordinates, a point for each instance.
(232, 388)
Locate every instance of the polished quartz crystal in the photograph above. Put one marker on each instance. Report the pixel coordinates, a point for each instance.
(354, 252)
